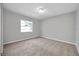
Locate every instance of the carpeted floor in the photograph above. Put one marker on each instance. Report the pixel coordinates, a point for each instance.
(39, 47)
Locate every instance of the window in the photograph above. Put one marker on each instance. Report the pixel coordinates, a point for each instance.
(26, 26)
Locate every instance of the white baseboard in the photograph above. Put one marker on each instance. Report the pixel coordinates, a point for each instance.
(60, 40)
(19, 40)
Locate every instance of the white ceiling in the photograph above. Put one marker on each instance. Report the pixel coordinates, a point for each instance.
(30, 9)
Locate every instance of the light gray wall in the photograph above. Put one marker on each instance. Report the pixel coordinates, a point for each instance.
(77, 29)
(40, 24)
(60, 27)
(1, 30)
(0, 24)
(12, 27)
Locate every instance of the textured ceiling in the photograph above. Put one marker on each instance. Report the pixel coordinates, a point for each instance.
(30, 9)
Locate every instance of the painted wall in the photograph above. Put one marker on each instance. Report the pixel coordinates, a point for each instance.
(77, 29)
(0, 24)
(1, 30)
(12, 27)
(60, 27)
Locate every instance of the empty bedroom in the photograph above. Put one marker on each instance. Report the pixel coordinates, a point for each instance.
(39, 29)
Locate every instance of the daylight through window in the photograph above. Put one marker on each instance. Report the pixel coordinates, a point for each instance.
(26, 26)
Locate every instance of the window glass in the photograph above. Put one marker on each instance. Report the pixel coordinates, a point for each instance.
(26, 26)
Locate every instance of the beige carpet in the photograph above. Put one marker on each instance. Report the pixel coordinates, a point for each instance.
(39, 47)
